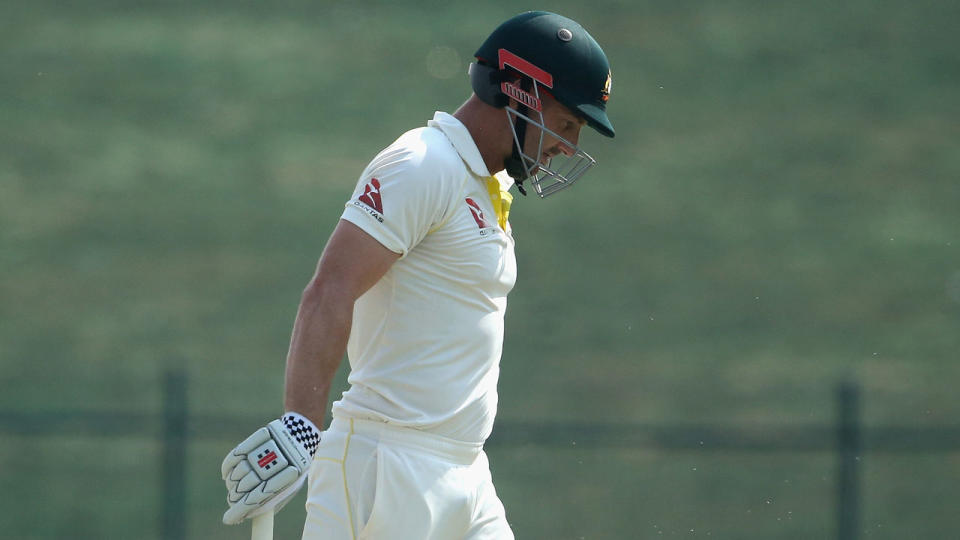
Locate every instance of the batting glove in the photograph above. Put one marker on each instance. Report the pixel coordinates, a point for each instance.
(264, 472)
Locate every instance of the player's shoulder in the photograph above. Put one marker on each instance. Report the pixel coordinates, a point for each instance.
(425, 152)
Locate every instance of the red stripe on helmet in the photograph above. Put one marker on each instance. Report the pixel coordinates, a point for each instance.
(507, 58)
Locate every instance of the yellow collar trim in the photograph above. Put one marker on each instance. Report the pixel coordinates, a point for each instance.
(501, 200)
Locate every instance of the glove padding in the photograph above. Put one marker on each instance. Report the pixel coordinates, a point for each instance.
(264, 472)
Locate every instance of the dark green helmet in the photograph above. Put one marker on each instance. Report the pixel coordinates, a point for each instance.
(558, 54)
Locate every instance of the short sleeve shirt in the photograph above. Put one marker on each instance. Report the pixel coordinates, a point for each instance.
(426, 339)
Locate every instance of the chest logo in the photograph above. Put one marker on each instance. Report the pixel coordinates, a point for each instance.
(477, 214)
(371, 196)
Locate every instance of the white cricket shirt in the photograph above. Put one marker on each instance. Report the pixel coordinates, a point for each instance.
(426, 340)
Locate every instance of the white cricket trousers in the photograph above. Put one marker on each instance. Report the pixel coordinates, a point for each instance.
(369, 480)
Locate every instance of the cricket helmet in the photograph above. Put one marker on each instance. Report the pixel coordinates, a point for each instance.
(539, 52)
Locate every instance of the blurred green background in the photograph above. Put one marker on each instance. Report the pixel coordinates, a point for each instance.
(779, 211)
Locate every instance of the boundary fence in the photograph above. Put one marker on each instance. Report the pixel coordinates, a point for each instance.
(174, 427)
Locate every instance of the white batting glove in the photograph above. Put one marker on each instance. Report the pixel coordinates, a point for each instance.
(264, 472)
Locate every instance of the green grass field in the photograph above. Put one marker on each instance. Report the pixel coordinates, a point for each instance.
(780, 210)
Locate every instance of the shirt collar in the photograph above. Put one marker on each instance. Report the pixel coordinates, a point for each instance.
(463, 142)
(506, 181)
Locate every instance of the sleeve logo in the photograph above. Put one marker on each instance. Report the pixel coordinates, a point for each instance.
(371, 196)
(370, 200)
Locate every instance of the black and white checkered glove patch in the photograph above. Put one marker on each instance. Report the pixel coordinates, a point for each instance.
(264, 472)
(302, 430)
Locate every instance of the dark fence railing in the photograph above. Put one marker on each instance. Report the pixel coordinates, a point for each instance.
(175, 427)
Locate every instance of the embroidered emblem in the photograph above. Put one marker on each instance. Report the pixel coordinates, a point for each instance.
(477, 213)
(607, 86)
(371, 196)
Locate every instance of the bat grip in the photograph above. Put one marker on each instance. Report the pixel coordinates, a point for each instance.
(263, 527)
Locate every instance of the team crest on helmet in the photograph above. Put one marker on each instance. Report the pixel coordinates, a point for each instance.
(605, 93)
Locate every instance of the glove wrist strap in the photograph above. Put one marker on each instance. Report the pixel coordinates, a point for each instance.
(303, 430)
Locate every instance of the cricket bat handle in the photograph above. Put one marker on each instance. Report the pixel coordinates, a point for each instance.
(263, 527)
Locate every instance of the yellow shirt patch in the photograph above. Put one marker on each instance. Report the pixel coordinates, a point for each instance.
(501, 200)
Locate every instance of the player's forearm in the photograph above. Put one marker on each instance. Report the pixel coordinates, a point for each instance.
(317, 346)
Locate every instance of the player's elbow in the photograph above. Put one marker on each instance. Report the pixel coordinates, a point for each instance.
(323, 295)
(314, 292)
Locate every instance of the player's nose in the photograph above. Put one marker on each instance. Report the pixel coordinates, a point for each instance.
(570, 149)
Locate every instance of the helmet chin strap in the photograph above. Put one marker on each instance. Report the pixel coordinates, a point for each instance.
(514, 163)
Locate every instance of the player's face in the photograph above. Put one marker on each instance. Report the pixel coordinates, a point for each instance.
(561, 121)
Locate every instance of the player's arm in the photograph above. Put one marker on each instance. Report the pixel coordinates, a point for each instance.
(264, 471)
(352, 262)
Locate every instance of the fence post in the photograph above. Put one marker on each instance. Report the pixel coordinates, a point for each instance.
(173, 471)
(848, 453)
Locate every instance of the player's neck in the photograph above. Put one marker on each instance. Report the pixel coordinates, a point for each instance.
(490, 131)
